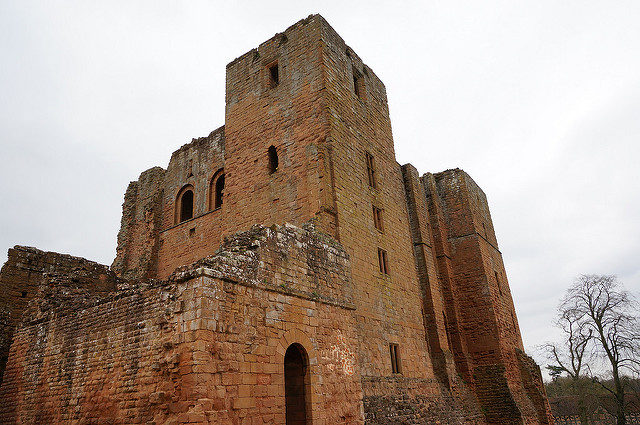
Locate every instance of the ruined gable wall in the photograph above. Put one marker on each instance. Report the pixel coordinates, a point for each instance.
(23, 274)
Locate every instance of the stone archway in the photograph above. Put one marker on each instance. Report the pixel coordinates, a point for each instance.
(297, 385)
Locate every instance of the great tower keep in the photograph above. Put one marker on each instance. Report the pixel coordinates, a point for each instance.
(284, 269)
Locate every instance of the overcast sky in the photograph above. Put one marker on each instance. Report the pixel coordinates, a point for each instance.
(538, 100)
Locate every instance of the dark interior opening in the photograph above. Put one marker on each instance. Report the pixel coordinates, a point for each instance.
(358, 84)
(296, 379)
(356, 87)
(24, 294)
(371, 170)
(274, 77)
(186, 205)
(273, 159)
(219, 192)
(395, 358)
(382, 261)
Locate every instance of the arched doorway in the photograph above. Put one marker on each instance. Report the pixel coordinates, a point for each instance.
(296, 385)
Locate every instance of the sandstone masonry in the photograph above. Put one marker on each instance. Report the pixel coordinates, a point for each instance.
(284, 269)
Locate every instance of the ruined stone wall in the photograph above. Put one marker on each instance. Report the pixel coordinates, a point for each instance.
(206, 346)
(23, 274)
(482, 299)
(534, 387)
(138, 238)
(194, 164)
(452, 311)
(390, 403)
(432, 286)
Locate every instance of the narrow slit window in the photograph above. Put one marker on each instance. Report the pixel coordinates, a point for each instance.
(498, 283)
(272, 153)
(274, 75)
(371, 170)
(446, 330)
(377, 218)
(382, 261)
(395, 359)
(358, 85)
(186, 205)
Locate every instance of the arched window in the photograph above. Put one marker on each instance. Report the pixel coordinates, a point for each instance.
(216, 190)
(184, 204)
(296, 386)
(273, 159)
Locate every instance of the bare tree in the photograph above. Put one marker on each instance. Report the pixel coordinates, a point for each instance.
(571, 354)
(610, 314)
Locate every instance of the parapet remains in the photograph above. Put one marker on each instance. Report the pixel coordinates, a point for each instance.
(284, 269)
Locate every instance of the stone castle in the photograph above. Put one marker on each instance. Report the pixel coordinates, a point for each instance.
(284, 269)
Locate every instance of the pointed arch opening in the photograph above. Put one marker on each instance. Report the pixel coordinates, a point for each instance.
(297, 386)
(216, 190)
(184, 204)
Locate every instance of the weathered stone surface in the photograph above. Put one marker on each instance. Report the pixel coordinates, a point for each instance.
(388, 289)
(28, 271)
(205, 346)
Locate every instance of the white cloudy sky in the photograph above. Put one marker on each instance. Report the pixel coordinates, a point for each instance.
(538, 100)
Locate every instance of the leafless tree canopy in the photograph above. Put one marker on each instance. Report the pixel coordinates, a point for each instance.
(605, 310)
(599, 319)
(569, 356)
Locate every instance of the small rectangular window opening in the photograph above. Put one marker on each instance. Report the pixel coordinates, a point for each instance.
(371, 170)
(498, 282)
(24, 294)
(377, 218)
(395, 358)
(358, 84)
(382, 261)
(274, 76)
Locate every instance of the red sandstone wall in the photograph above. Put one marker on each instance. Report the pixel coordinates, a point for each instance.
(206, 347)
(486, 323)
(137, 249)
(388, 305)
(23, 274)
(440, 339)
(182, 243)
(289, 116)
